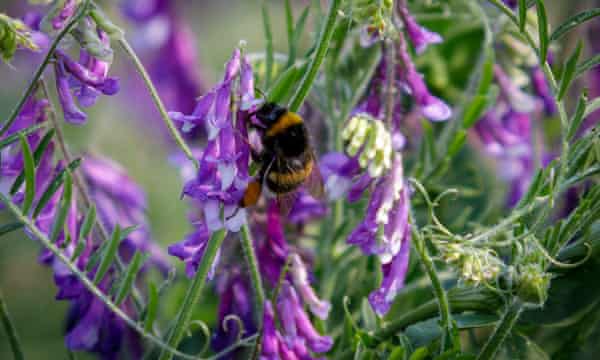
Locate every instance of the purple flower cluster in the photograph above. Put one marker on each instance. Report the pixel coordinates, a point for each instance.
(505, 132)
(167, 47)
(223, 175)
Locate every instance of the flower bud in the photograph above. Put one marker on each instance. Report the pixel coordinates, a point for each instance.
(104, 23)
(533, 284)
(475, 265)
(370, 137)
(14, 34)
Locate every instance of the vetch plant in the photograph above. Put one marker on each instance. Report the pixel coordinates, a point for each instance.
(457, 145)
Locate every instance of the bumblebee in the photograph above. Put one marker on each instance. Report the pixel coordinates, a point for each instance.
(287, 159)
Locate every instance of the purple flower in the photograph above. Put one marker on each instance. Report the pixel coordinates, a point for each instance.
(540, 85)
(87, 79)
(431, 107)
(62, 13)
(419, 36)
(192, 248)
(505, 133)
(300, 279)
(119, 200)
(296, 324)
(272, 248)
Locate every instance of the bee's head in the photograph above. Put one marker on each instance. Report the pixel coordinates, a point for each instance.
(269, 113)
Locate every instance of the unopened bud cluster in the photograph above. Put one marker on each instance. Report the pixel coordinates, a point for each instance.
(13, 34)
(475, 265)
(375, 15)
(369, 136)
(532, 284)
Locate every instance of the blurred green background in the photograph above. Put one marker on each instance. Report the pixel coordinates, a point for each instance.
(218, 27)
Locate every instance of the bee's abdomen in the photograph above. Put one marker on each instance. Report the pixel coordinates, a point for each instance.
(287, 178)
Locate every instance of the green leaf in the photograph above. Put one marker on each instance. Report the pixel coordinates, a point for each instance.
(29, 170)
(519, 347)
(289, 22)
(152, 307)
(457, 143)
(86, 229)
(522, 14)
(578, 117)
(269, 44)
(37, 157)
(424, 332)
(569, 71)
(54, 186)
(15, 137)
(65, 203)
(298, 31)
(398, 353)
(542, 29)
(591, 107)
(587, 65)
(419, 354)
(474, 111)
(286, 81)
(8, 228)
(534, 188)
(369, 318)
(109, 254)
(574, 21)
(130, 274)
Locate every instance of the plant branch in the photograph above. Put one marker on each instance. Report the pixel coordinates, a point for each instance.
(253, 267)
(158, 102)
(11, 330)
(440, 293)
(193, 292)
(315, 64)
(503, 328)
(81, 12)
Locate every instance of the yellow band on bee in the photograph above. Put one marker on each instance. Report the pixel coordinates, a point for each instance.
(286, 120)
(292, 178)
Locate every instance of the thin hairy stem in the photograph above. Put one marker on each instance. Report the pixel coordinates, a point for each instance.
(158, 102)
(440, 293)
(254, 269)
(319, 56)
(11, 330)
(193, 292)
(503, 328)
(81, 12)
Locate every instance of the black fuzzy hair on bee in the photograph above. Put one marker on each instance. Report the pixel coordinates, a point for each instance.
(269, 113)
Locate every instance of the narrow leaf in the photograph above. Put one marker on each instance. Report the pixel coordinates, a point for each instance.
(88, 222)
(29, 170)
(592, 106)
(15, 137)
(289, 22)
(574, 21)
(124, 233)
(587, 65)
(130, 274)
(542, 29)
(54, 186)
(522, 14)
(577, 117)
(65, 204)
(474, 111)
(109, 255)
(269, 44)
(37, 157)
(286, 81)
(152, 307)
(457, 143)
(569, 71)
(5, 229)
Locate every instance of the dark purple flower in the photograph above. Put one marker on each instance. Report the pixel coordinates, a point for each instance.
(542, 89)
(61, 13)
(419, 36)
(235, 300)
(272, 248)
(192, 248)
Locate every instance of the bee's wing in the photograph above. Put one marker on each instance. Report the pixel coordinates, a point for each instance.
(286, 202)
(314, 180)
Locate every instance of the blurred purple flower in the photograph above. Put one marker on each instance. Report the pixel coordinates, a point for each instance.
(419, 36)
(119, 200)
(61, 12)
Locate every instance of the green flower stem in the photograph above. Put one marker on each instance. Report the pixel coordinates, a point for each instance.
(460, 300)
(440, 293)
(43, 238)
(319, 56)
(81, 12)
(193, 292)
(156, 98)
(511, 314)
(250, 255)
(11, 331)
